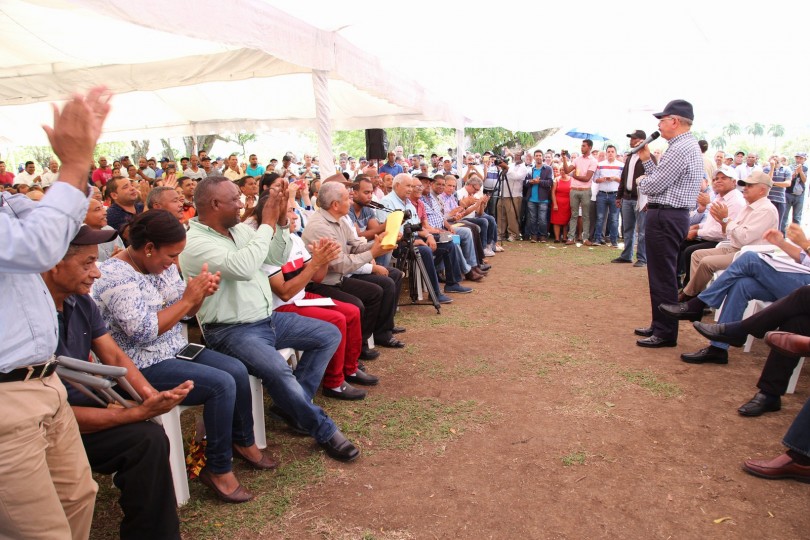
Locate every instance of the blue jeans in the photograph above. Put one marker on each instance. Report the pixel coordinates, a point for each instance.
(795, 203)
(633, 231)
(748, 278)
(221, 385)
(489, 228)
(255, 345)
(606, 205)
(781, 208)
(537, 217)
(467, 248)
(797, 437)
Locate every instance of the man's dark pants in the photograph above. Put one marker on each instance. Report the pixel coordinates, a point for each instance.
(139, 455)
(666, 229)
(790, 314)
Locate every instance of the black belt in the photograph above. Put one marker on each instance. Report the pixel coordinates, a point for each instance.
(655, 206)
(609, 192)
(39, 371)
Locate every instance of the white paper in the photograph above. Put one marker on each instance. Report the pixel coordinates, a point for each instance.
(318, 302)
(784, 264)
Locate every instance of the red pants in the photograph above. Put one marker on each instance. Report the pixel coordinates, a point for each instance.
(347, 319)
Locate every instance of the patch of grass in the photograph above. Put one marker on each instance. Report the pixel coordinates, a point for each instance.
(574, 458)
(647, 379)
(201, 519)
(405, 423)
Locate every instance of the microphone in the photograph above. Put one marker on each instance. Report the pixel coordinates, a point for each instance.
(654, 135)
(377, 206)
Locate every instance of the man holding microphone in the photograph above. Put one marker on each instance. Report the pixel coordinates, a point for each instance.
(672, 187)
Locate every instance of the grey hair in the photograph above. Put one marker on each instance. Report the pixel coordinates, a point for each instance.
(401, 177)
(683, 120)
(155, 195)
(329, 193)
(474, 180)
(206, 188)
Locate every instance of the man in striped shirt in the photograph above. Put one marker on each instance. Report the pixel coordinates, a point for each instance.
(672, 187)
(607, 177)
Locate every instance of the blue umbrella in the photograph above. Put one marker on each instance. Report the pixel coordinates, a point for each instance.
(581, 134)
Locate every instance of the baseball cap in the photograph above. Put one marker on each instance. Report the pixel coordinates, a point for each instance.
(677, 107)
(757, 177)
(164, 160)
(89, 237)
(726, 170)
(801, 154)
(637, 134)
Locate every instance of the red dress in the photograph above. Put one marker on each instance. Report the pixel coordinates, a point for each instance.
(562, 215)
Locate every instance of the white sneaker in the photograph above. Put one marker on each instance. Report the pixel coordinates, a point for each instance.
(498, 248)
(489, 253)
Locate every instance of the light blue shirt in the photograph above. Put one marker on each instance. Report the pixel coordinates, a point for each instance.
(35, 236)
(393, 202)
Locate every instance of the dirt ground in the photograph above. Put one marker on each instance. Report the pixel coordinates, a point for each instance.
(578, 433)
(525, 410)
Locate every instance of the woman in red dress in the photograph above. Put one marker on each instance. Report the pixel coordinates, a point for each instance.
(560, 203)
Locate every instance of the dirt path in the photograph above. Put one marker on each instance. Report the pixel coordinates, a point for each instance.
(526, 411)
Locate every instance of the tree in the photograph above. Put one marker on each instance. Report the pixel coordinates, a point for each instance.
(241, 138)
(413, 140)
(719, 142)
(204, 144)
(756, 129)
(731, 129)
(139, 149)
(700, 135)
(494, 139)
(776, 131)
(168, 151)
(40, 155)
(111, 150)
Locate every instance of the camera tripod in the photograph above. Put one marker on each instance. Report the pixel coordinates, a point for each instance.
(410, 261)
(497, 197)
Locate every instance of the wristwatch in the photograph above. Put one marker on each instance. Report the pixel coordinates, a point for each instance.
(725, 220)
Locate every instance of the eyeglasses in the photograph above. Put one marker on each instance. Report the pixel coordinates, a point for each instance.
(665, 118)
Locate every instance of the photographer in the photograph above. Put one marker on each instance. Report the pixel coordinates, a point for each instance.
(510, 177)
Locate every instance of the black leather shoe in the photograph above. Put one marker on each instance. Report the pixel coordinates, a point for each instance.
(484, 267)
(363, 378)
(340, 448)
(721, 332)
(346, 392)
(680, 312)
(707, 355)
(655, 342)
(620, 260)
(643, 332)
(369, 354)
(397, 329)
(760, 404)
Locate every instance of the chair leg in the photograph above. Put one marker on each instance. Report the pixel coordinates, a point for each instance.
(177, 455)
(257, 400)
(795, 377)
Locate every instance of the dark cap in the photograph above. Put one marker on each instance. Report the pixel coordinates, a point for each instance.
(422, 177)
(91, 237)
(677, 107)
(637, 134)
(164, 159)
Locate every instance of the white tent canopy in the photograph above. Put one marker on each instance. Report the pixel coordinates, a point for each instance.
(182, 68)
(179, 68)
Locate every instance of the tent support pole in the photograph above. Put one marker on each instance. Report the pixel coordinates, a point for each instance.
(320, 86)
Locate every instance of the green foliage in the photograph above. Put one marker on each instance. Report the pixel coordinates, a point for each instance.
(718, 143)
(731, 129)
(494, 139)
(413, 140)
(241, 139)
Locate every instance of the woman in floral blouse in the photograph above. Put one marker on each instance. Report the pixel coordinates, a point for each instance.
(142, 298)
